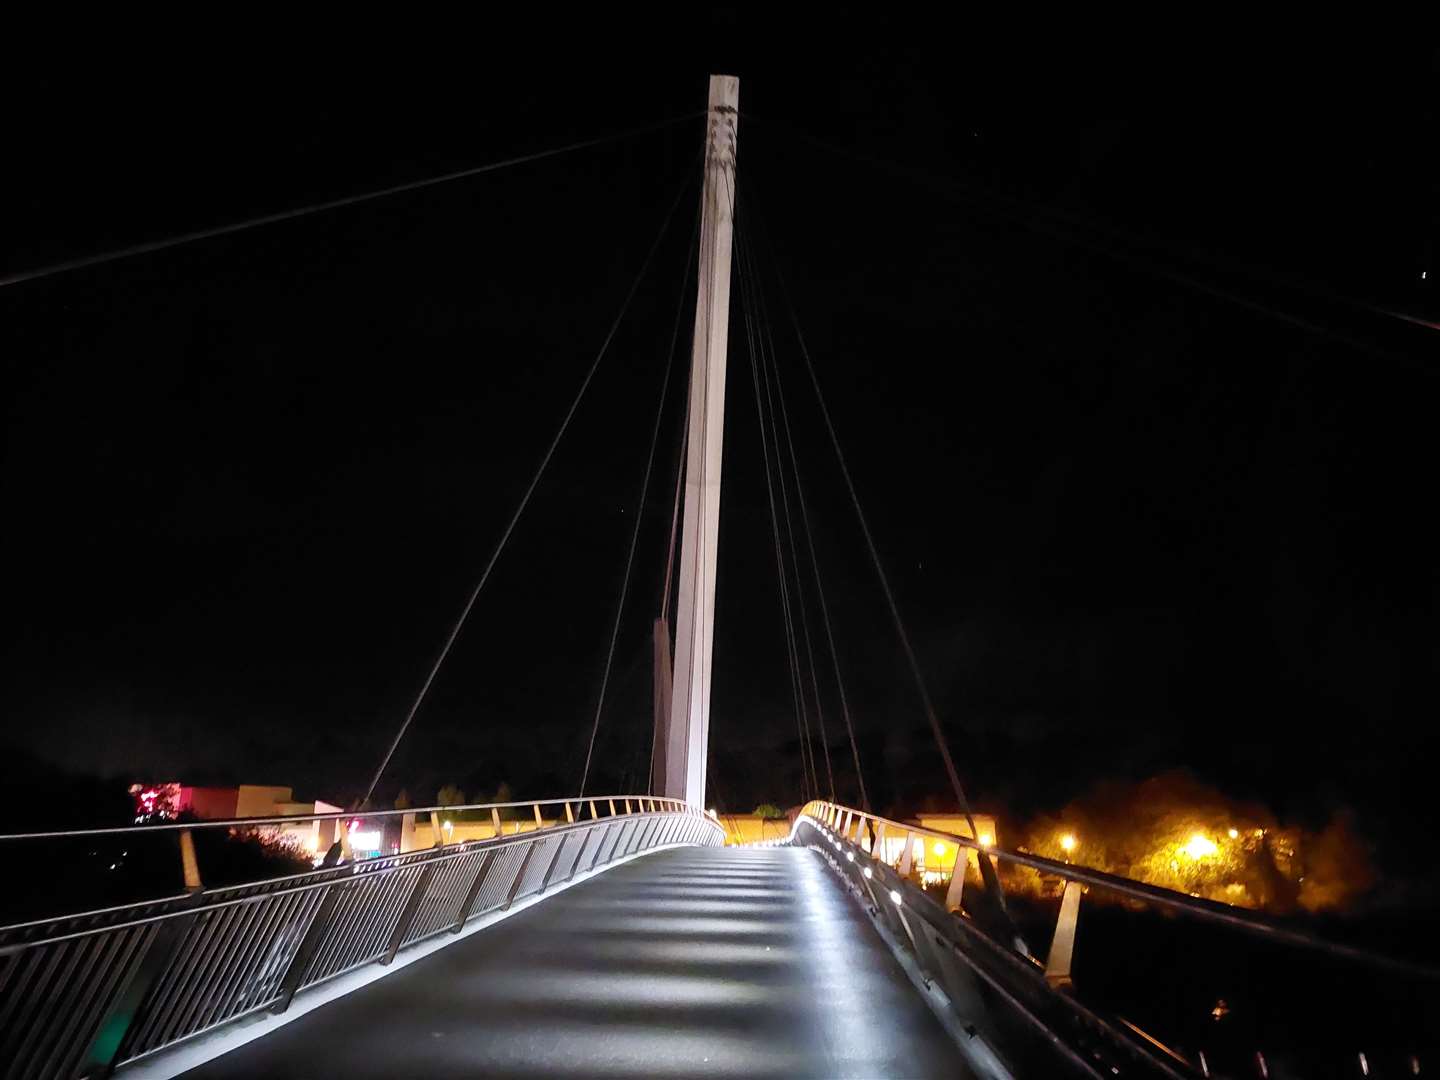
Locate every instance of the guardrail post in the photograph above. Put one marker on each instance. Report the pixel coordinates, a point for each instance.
(125, 1010)
(612, 807)
(593, 815)
(877, 846)
(314, 934)
(407, 916)
(189, 862)
(599, 845)
(495, 820)
(1062, 947)
(906, 855)
(437, 834)
(569, 817)
(539, 821)
(487, 860)
(554, 862)
(519, 875)
(584, 843)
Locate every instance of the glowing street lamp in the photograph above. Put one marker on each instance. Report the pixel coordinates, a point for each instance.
(1200, 846)
(1068, 842)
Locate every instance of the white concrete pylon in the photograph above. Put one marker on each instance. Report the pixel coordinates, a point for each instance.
(687, 740)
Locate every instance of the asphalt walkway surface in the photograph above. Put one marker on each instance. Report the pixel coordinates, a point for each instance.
(688, 962)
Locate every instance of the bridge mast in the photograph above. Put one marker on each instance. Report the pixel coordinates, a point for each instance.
(681, 774)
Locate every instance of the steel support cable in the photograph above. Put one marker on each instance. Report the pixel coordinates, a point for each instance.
(808, 771)
(640, 507)
(675, 513)
(529, 491)
(987, 869)
(766, 362)
(957, 788)
(1106, 240)
(331, 204)
(789, 605)
(930, 715)
(670, 562)
(819, 582)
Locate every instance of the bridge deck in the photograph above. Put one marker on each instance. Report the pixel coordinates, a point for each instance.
(688, 962)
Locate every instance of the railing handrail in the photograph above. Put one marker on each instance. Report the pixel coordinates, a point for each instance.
(1193, 906)
(104, 988)
(671, 806)
(319, 878)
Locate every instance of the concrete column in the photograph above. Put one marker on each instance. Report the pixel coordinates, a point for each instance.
(687, 740)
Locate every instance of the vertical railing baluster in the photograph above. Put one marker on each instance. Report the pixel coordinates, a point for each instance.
(554, 861)
(519, 875)
(309, 945)
(482, 871)
(408, 912)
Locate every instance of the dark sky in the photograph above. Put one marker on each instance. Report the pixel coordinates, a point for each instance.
(1136, 516)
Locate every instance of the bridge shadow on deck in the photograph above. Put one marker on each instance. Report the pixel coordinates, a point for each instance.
(689, 962)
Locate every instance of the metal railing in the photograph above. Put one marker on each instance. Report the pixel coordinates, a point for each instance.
(81, 994)
(952, 949)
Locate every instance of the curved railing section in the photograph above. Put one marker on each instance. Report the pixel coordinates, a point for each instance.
(82, 994)
(952, 950)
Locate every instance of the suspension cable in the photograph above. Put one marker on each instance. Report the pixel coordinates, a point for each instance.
(994, 891)
(1110, 240)
(331, 204)
(675, 513)
(670, 567)
(931, 716)
(819, 582)
(808, 770)
(529, 491)
(764, 335)
(640, 508)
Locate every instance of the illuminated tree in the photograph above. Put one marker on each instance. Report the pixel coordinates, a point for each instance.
(449, 795)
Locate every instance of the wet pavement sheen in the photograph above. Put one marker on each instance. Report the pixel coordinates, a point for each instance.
(688, 962)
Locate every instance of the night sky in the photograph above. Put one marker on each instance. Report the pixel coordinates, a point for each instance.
(1102, 328)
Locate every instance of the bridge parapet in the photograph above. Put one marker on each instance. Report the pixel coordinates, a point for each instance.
(81, 994)
(952, 951)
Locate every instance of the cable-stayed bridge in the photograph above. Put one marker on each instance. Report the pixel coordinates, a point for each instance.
(618, 934)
